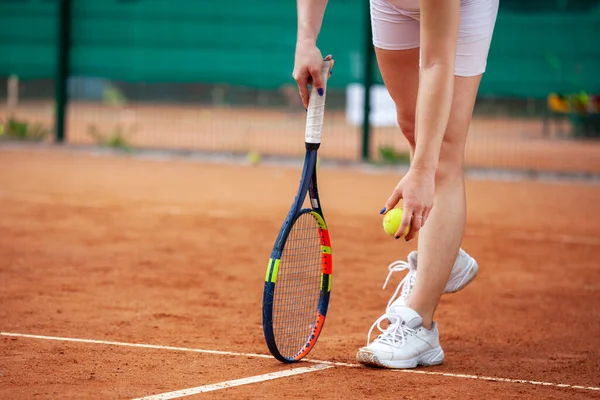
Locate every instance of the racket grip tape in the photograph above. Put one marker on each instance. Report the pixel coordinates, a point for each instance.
(316, 108)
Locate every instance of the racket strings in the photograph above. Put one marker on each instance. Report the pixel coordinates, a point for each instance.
(298, 286)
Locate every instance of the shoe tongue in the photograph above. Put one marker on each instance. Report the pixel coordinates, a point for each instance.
(413, 258)
(410, 317)
(399, 302)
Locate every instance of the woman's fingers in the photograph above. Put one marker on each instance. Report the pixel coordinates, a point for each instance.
(405, 223)
(416, 193)
(317, 79)
(329, 58)
(415, 226)
(392, 201)
(303, 88)
(418, 221)
(307, 72)
(426, 216)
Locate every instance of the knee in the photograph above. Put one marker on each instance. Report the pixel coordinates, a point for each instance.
(448, 172)
(451, 162)
(407, 127)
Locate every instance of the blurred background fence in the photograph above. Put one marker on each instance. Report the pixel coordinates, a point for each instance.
(215, 76)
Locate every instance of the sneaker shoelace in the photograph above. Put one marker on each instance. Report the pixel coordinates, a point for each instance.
(405, 284)
(396, 331)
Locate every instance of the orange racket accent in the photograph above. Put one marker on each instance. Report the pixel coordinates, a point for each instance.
(316, 330)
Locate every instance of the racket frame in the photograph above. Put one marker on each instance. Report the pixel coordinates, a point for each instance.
(308, 185)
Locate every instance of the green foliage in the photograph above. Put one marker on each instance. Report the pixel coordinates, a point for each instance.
(113, 96)
(389, 155)
(17, 129)
(118, 138)
(583, 111)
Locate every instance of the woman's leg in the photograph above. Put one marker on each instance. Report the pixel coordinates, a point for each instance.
(400, 72)
(441, 237)
(412, 337)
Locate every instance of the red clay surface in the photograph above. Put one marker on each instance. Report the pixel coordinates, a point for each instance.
(174, 253)
(50, 369)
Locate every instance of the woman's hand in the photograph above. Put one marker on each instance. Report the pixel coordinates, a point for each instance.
(307, 69)
(416, 189)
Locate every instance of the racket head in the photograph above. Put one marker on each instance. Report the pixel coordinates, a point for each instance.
(298, 285)
(298, 279)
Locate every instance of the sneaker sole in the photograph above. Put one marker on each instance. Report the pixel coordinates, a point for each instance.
(429, 358)
(471, 273)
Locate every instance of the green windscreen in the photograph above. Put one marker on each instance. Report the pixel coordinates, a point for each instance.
(538, 47)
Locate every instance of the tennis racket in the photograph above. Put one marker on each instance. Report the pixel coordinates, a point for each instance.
(298, 279)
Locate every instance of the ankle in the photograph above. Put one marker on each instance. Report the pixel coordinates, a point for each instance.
(427, 324)
(427, 317)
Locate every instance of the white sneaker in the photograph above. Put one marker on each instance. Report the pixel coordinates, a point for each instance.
(465, 269)
(404, 344)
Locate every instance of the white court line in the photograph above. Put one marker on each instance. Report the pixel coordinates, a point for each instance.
(145, 346)
(541, 237)
(237, 382)
(332, 363)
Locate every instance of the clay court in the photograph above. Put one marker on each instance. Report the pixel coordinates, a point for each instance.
(126, 276)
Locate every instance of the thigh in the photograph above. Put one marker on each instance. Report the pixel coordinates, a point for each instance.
(461, 113)
(396, 38)
(477, 21)
(400, 73)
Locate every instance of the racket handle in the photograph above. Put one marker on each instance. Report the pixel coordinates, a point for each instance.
(316, 108)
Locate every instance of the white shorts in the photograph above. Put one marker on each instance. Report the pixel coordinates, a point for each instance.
(396, 23)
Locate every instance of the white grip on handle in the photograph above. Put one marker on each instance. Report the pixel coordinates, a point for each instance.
(316, 108)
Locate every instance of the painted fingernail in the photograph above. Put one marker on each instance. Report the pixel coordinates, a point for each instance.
(305, 109)
(397, 237)
(382, 210)
(320, 91)
(407, 239)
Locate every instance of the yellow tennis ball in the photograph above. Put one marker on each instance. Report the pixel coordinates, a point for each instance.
(392, 220)
(254, 158)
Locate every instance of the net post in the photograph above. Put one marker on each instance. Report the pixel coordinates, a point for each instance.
(12, 97)
(367, 83)
(62, 68)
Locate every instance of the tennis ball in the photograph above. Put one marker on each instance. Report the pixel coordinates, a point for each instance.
(254, 158)
(392, 220)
